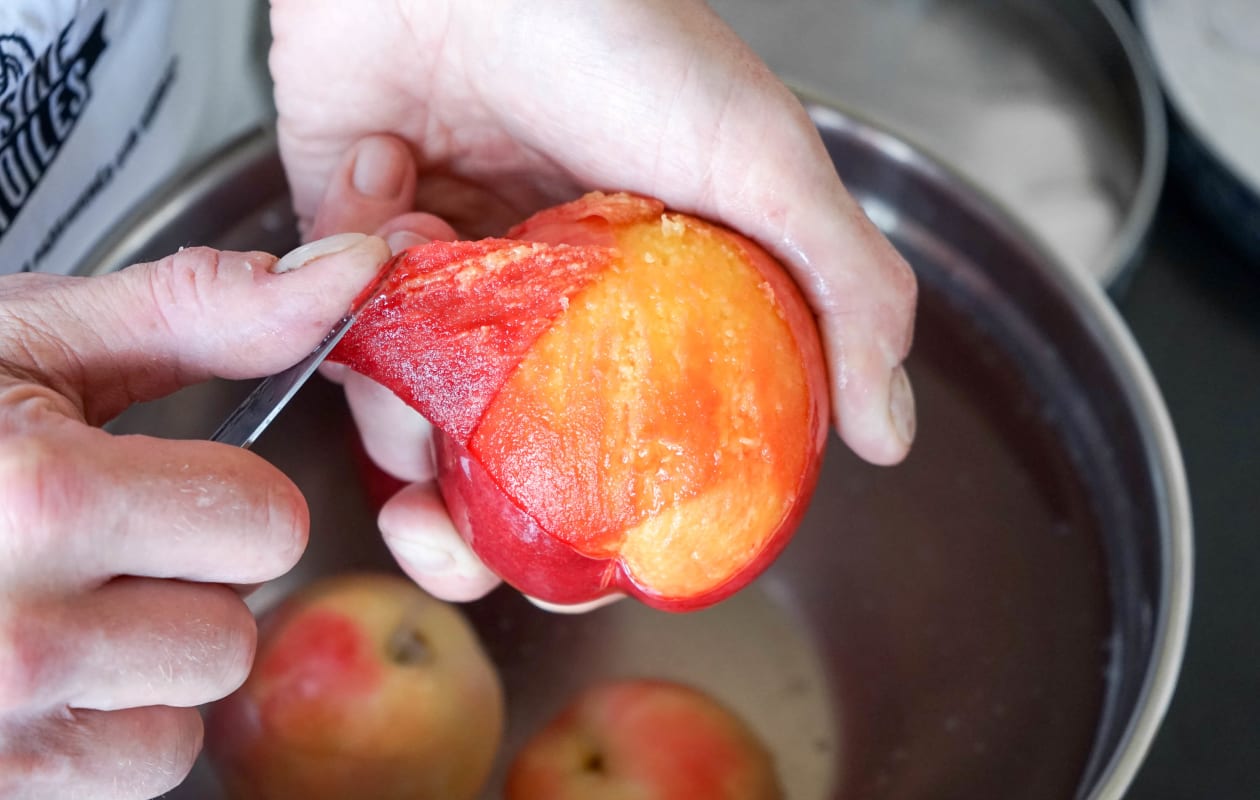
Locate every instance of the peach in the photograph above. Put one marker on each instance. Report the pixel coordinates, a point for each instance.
(363, 686)
(646, 740)
(629, 400)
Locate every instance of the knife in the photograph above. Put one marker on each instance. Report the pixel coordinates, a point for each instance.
(243, 426)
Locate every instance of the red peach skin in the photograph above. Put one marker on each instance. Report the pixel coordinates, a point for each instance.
(628, 400)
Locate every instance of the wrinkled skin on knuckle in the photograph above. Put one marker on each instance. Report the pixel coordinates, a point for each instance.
(18, 771)
(75, 754)
(33, 766)
(40, 489)
(903, 289)
(24, 656)
(180, 285)
(27, 407)
(31, 347)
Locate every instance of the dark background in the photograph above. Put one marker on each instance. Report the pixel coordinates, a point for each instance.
(1194, 306)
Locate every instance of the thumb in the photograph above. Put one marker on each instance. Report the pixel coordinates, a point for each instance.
(147, 330)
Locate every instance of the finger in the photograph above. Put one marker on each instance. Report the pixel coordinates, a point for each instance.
(863, 292)
(711, 102)
(400, 233)
(577, 608)
(111, 755)
(133, 642)
(149, 329)
(82, 506)
(419, 532)
(423, 226)
(397, 438)
(375, 182)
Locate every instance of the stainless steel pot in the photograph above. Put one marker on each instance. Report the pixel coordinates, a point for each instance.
(1207, 53)
(1051, 107)
(1001, 616)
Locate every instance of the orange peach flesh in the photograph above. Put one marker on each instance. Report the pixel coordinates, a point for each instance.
(664, 417)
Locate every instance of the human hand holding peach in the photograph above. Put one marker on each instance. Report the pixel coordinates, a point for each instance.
(627, 400)
(501, 113)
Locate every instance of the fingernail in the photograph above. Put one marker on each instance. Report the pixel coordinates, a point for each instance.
(319, 248)
(422, 557)
(399, 241)
(576, 608)
(379, 169)
(901, 405)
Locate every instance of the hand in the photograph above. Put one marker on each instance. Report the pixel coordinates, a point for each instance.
(116, 619)
(508, 107)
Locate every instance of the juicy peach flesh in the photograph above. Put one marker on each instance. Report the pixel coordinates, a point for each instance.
(628, 399)
(663, 418)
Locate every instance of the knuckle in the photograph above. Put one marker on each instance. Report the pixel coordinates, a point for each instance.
(39, 488)
(904, 308)
(179, 284)
(905, 282)
(23, 660)
(18, 772)
(906, 285)
(25, 770)
(139, 753)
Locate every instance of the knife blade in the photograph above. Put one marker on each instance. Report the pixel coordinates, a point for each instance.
(246, 423)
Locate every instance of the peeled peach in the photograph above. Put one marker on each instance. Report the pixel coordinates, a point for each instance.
(363, 686)
(646, 740)
(629, 400)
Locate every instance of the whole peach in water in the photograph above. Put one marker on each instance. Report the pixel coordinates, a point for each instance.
(643, 740)
(363, 686)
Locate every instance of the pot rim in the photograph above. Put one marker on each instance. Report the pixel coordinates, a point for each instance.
(1155, 428)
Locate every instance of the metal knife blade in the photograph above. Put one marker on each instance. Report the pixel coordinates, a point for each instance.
(244, 425)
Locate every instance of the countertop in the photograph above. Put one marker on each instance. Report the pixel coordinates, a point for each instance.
(1194, 307)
